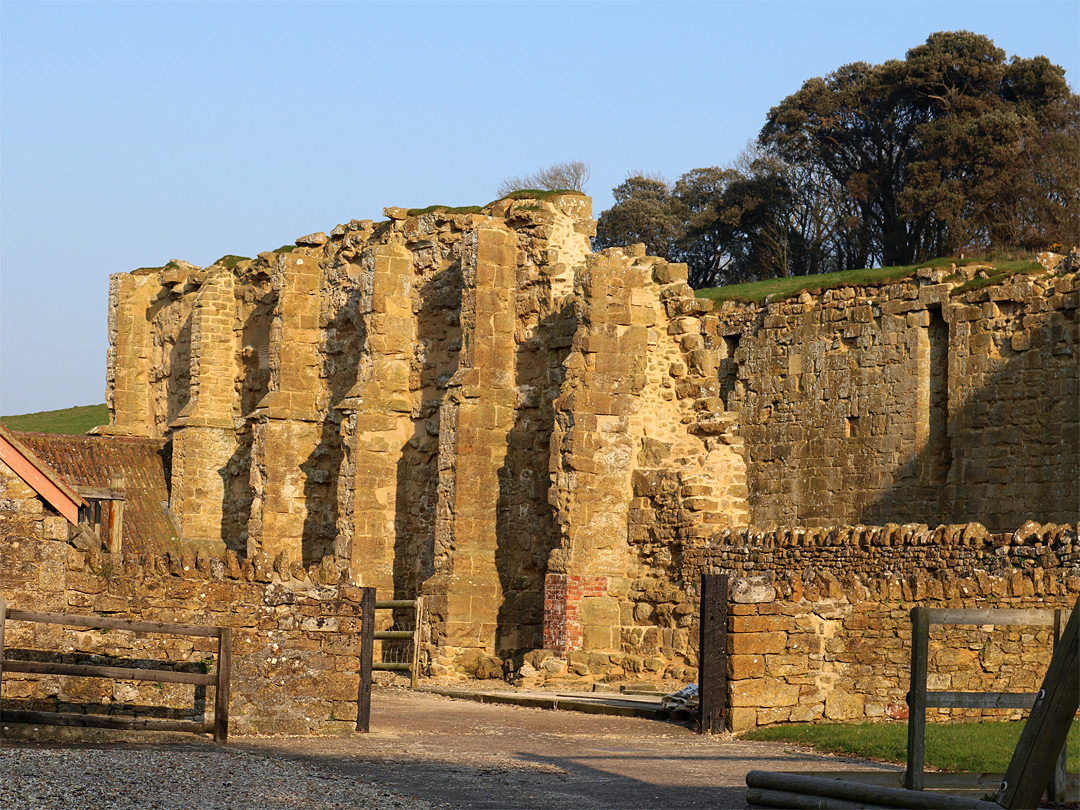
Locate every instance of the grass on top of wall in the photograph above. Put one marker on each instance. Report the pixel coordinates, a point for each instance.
(69, 421)
(983, 747)
(756, 292)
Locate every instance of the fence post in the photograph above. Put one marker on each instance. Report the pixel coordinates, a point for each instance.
(916, 698)
(367, 652)
(221, 691)
(712, 653)
(1055, 791)
(418, 613)
(3, 621)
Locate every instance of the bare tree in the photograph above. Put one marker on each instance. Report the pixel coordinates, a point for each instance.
(572, 175)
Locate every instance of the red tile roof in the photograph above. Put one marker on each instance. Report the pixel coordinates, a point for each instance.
(89, 461)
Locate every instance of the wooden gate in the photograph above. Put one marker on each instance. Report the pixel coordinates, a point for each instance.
(219, 727)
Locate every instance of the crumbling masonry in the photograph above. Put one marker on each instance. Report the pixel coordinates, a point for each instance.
(540, 439)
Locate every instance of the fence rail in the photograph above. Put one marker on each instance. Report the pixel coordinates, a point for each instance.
(219, 727)
(919, 699)
(368, 636)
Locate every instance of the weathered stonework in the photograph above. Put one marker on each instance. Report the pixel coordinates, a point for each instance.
(552, 445)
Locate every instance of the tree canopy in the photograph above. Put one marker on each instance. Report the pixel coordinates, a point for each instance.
(953, 148)
(571, 175)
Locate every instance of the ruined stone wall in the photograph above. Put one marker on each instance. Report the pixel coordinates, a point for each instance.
(875, 405)
(475, 407)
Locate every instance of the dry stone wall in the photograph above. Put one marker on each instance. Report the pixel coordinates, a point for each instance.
(296, 639)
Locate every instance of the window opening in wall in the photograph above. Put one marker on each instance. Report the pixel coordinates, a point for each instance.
(852, 427)
(939, 445)
(729, 368)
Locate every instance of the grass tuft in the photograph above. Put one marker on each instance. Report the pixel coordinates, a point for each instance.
(68, 421)
(169, 266)
(446, 209)
(230, 260)
(285, 249)
(984, 747)
(1002, 270)
(755, 292)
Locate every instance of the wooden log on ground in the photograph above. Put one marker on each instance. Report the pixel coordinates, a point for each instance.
(800, 801)
(874, 795)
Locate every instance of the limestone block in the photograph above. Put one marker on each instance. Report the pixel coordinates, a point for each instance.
(764, 693)
(844, 705)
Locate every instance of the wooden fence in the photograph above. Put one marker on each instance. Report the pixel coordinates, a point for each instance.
(919, 699)
(368, 636)
(219, 679)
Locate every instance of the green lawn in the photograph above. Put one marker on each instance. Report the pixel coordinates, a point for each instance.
(977, 747)
(69, 421)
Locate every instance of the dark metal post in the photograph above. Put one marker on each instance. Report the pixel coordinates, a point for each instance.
(712, 653)
(916, 698)
(367, 652)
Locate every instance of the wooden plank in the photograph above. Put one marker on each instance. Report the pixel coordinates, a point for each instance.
(388, 666)
(874, 795)
(106, 721)
(916, 698)
(367, 652)
(979, 700)
(73, 620)
(116, 517)
(388, 604)
(221, 692)
(1035, 617)
(712, 654)
(1035, 758)
(394, 634)
(42, 478)
(114, 673)
(102, 493)
(762, 797)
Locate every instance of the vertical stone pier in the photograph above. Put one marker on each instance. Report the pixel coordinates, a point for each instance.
(286, 423)
(592, 454)
(377, 420)
(475, 419)
(204, 436)
(131, 343)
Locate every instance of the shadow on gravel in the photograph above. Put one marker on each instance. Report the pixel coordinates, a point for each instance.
(580, 782)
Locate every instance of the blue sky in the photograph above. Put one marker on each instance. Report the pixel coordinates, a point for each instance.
(132, 133)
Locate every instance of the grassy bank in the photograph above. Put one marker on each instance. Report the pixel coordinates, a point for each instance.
(979, 747)
(70, 421)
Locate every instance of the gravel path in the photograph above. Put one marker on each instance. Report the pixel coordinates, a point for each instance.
(118, 777)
